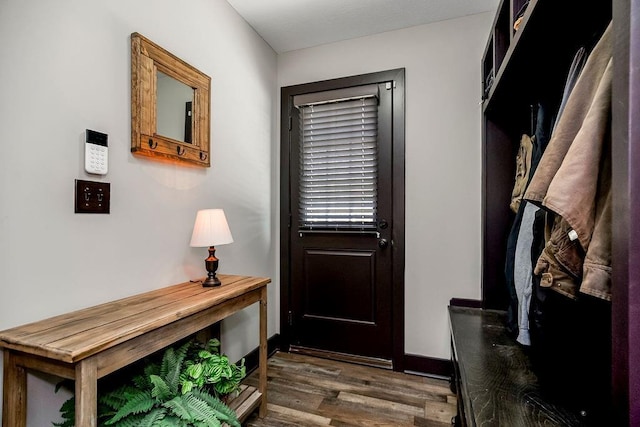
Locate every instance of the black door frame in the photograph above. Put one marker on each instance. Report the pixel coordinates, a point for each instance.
(397, 76)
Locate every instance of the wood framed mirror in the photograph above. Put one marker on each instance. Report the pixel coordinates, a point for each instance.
(170, 106)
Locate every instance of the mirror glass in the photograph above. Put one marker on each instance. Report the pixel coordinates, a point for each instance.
(174, 108)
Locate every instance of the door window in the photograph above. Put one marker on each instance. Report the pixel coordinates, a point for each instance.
(338, 164)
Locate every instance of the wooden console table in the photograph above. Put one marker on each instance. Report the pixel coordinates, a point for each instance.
(88, 344)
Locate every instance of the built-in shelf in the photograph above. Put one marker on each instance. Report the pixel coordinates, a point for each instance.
(247, 401)
(526, 62)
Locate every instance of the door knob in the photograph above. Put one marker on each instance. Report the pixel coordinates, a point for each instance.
(383, 243)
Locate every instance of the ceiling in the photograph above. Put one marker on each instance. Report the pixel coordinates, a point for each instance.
(297, 24)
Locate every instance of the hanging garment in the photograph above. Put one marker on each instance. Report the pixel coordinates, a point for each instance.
(573, 180)
(537, 318)
(577, 65)
(572, 118)
(523, 167)
(523, 271)
(518, 256)
(537, 308)
(571, 337)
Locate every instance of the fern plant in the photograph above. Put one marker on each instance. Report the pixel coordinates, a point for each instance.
(156, 397)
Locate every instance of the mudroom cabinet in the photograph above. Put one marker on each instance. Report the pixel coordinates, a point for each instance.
(526, 63)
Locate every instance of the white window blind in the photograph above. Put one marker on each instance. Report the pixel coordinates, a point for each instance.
(339, 164)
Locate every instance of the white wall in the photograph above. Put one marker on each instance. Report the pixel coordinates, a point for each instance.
(443, 135)
(65, 67)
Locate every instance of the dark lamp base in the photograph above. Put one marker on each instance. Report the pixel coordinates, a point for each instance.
(211, 282)
(211, 263)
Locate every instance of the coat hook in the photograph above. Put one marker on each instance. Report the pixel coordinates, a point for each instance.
(181, 150)
(203, 156)
(152, 144)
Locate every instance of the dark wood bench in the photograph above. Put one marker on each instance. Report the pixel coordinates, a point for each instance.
(495, 383)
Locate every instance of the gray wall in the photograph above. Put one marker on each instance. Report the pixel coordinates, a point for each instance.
(65, 68)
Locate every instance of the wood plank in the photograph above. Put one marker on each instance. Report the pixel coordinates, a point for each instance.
(122, 330)
(14, 396)
(291, 390)
(170, 293)
(37, 363)
(341, 392)
(423, 422)
(407, 392)
(304, 418)
(243, 393)
(426, 384)
(249, 405)
(439, 411)
(97, 310)
(381, 404)
(363, 416)
(134, 349)
(86, 393)
(245, 402)
(76, 341)
(262, 357)
(291, 395)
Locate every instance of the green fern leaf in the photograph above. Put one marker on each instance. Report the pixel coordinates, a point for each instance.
(66, 423)
(172, 366)
(160, 389)
(153, 417)
(201, 411)
(65, 384)
(131, 421)
(142, 381)
(137, 403)
(179, 407)
(69, 406)
(222, 411)
(171, 421)
(115, 399)
(152, 369)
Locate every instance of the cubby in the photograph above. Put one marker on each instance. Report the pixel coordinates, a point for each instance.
(525, 66)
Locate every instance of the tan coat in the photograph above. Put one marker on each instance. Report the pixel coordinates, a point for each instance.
(573, 180)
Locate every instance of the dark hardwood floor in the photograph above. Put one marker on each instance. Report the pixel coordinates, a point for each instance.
(308, 391)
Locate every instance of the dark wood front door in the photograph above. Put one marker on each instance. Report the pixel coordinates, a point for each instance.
(341, 275)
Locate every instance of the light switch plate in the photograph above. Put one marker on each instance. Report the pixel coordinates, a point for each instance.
(92, 197)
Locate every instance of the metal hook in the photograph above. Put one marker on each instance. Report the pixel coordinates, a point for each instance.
(203, 156)
(179, 148)
(152, 144)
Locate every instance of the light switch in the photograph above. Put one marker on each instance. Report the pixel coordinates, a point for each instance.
(92, 197)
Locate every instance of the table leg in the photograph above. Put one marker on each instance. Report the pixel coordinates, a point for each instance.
(262, 357)
(87, 393)
(14, 392)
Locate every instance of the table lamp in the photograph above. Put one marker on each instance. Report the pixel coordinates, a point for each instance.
(211, 229)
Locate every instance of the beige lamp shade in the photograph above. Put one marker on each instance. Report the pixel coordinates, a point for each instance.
(210, 229)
